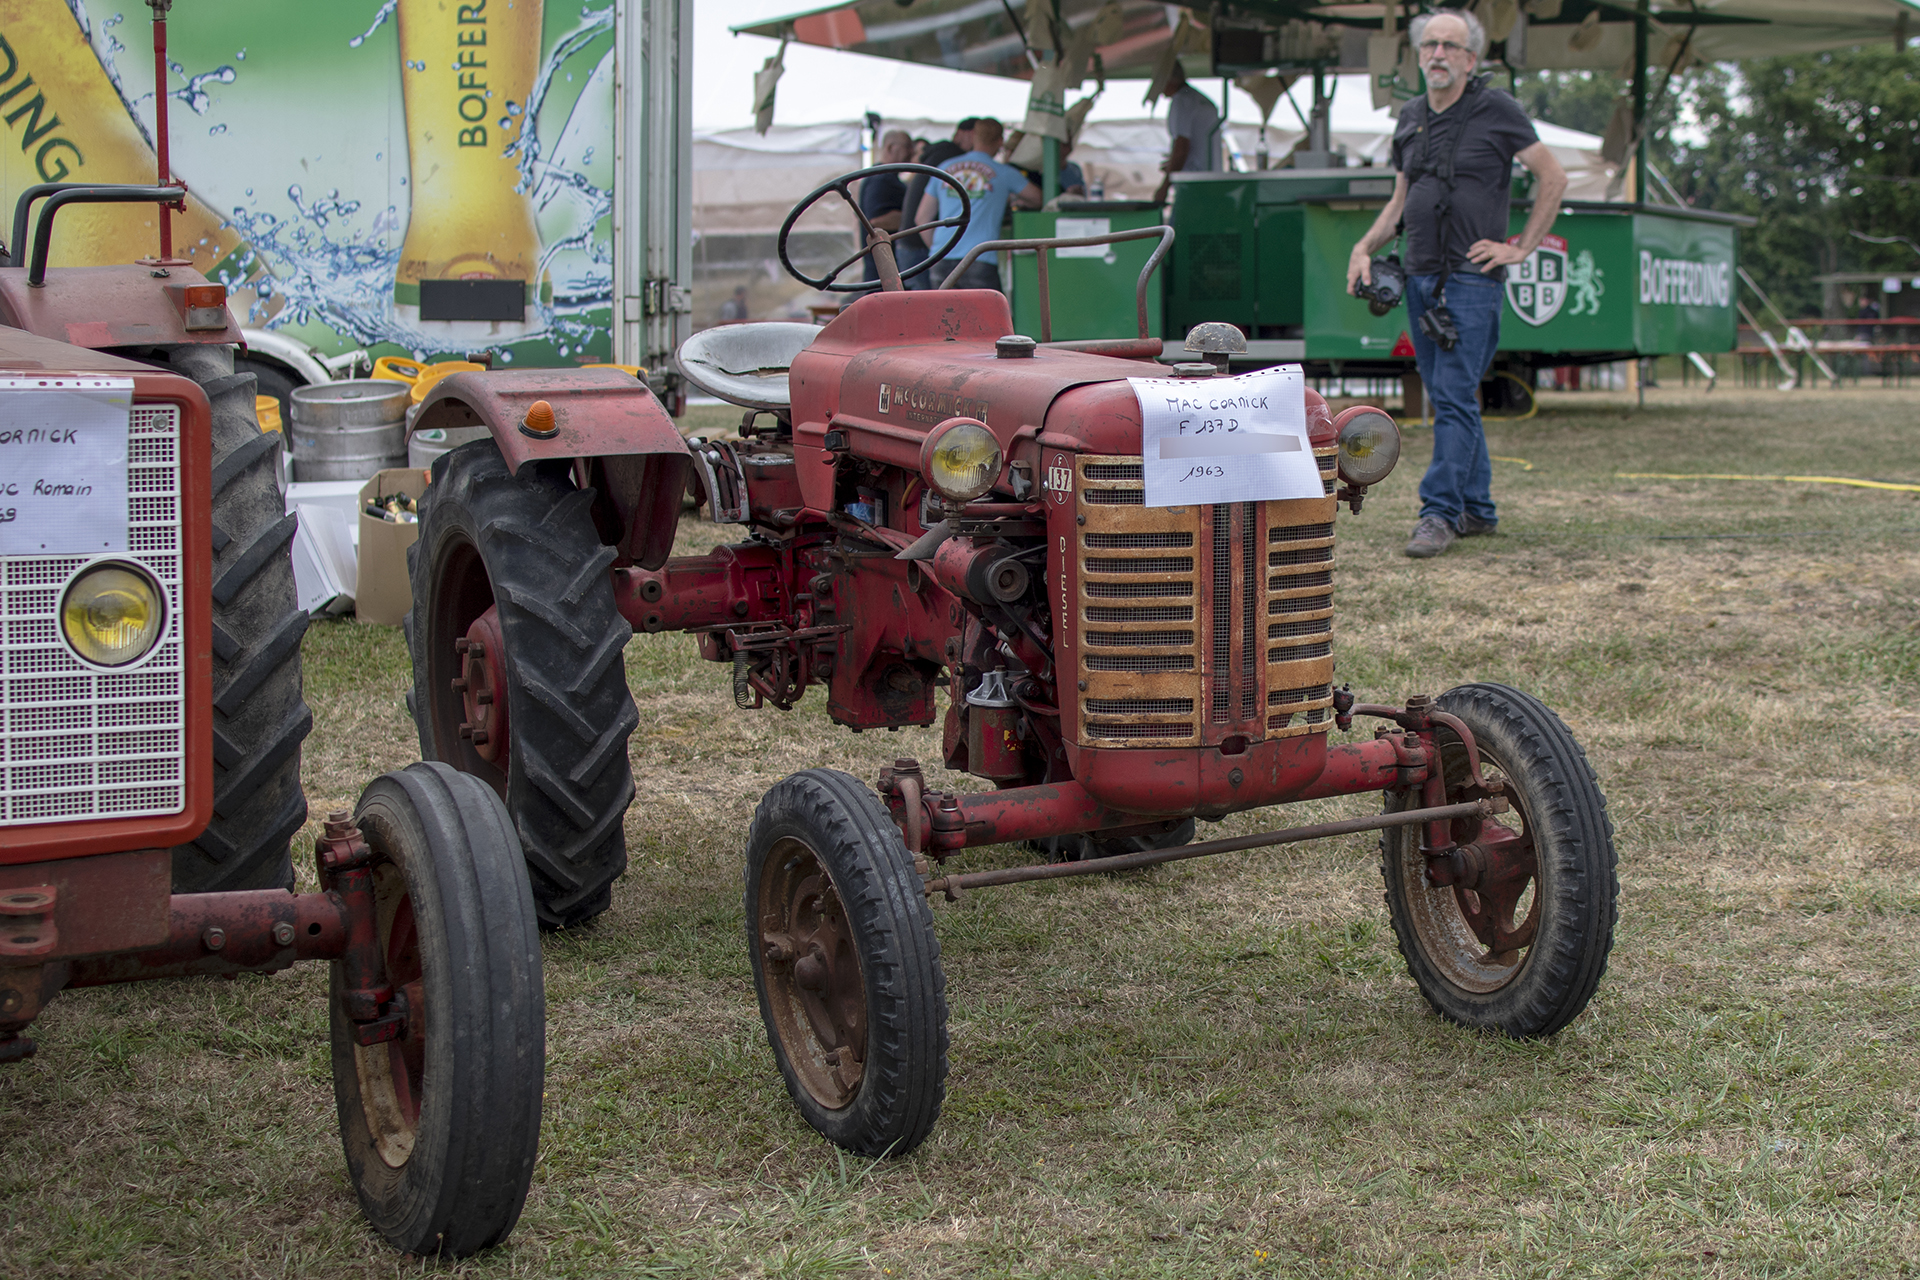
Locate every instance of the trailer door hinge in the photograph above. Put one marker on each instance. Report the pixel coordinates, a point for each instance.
(663, 297)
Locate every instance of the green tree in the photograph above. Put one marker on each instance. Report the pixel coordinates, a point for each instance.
(1815, 146)
(1571, 99)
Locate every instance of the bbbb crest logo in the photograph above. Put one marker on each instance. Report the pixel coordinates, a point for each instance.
(1537, 284)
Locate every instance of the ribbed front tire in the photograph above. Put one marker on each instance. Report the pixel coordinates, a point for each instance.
(846, 964)
(441, 1125)
(1524, 952)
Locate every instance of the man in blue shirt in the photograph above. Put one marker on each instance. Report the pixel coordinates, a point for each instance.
(1193, 124)
(990, 186)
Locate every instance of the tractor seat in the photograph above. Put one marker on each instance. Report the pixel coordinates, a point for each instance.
(746, 364)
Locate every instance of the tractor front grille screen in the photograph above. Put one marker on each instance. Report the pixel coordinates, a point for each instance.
(1258, 659)
(77, 742)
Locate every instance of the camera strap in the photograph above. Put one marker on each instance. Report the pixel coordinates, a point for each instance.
(1443, 208)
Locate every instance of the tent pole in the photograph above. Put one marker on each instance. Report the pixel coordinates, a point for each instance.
(1639, 192)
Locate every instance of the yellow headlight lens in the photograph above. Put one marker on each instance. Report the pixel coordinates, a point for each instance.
(113, 614)
(1369, 446)
(962, 461)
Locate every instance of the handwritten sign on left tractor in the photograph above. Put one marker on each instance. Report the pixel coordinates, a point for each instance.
(1238, 439)
(63, 465)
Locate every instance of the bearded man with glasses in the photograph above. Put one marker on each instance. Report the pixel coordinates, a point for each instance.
(1454, 150)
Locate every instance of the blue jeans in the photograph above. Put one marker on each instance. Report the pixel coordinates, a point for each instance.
(1460, 477)
(983, 274)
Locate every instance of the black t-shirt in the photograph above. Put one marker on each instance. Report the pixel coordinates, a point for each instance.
(1497, 129)
(937, 154)
(881, 194)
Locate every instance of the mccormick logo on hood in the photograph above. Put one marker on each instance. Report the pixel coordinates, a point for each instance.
(928, 406)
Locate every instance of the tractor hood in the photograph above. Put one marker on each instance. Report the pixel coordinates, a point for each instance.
(893, 366)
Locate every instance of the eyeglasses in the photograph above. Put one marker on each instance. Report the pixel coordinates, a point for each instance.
(1428, 46)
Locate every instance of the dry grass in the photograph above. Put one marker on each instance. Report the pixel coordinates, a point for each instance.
(1219, 1068)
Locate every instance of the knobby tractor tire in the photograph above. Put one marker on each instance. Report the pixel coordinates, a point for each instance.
(272, 381)
(846, 964)
(441, 1125)
(259, 715)
(527, 546)
(1535, 987)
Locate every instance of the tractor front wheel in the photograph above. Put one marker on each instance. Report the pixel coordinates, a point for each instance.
(846, 964)
(441, 1124)
(1517, 939)
(518, 678)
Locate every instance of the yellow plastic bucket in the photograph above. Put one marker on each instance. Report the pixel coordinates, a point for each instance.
(430, 374)
(267, 410)
(397, 369)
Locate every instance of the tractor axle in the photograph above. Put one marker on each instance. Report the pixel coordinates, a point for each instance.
(951, 885)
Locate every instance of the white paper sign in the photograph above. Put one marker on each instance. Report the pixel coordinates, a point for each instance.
(1085, 229)
(63, 465)
(1238, 439)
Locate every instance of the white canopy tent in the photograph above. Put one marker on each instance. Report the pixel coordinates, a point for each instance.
(744, 183)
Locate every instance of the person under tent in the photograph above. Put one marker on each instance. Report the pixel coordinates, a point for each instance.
(1193, 125)
(881, 199)
(933, 157)
(990, 186)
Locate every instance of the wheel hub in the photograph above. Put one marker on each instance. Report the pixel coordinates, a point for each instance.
(813, 975)
(1499, 866)
(1481, 907)
(482, 687)
(393, 1072)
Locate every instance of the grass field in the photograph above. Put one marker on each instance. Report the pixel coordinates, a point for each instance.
(1218, 1068)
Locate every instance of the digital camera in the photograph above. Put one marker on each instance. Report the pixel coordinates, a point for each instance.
(1436, 322)
(1389, 287)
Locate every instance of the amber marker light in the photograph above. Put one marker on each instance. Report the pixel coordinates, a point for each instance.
(206, 306)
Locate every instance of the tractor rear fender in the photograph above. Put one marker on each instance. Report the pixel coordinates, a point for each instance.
(114, 306)
(611, 422)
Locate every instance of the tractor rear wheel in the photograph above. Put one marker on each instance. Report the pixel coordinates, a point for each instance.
(1521, 950)
(259, 714)
(441, 1124)
(518, 678)
(846, 964)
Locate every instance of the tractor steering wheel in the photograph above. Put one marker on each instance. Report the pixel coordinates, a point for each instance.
(829, 282)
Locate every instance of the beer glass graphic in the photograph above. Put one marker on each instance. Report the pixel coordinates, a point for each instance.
(462, 63)
(63, 121)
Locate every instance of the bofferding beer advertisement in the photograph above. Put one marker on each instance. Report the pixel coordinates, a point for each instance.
(345, 161)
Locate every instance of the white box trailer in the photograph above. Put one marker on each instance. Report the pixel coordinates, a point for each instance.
(414, 178)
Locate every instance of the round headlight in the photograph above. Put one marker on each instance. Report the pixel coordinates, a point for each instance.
(113, 614)
(961, 459)
(1369, 445)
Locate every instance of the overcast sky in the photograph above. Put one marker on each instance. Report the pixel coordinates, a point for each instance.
(823, 85)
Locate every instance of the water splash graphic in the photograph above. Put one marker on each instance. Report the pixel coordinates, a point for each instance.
(334, 264)
(192, 94)
(379, 20)
(592, 23)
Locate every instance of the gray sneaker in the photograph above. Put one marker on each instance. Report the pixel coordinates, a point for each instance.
(1472, 526)
(1431, 536)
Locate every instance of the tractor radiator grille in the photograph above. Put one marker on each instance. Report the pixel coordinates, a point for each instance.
(77, 742)
(1254, 582)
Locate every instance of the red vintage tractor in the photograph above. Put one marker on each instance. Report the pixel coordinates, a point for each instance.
(151, 717)
(928, 500)
(112, 736)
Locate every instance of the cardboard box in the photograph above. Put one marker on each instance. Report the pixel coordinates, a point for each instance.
(383, 593)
